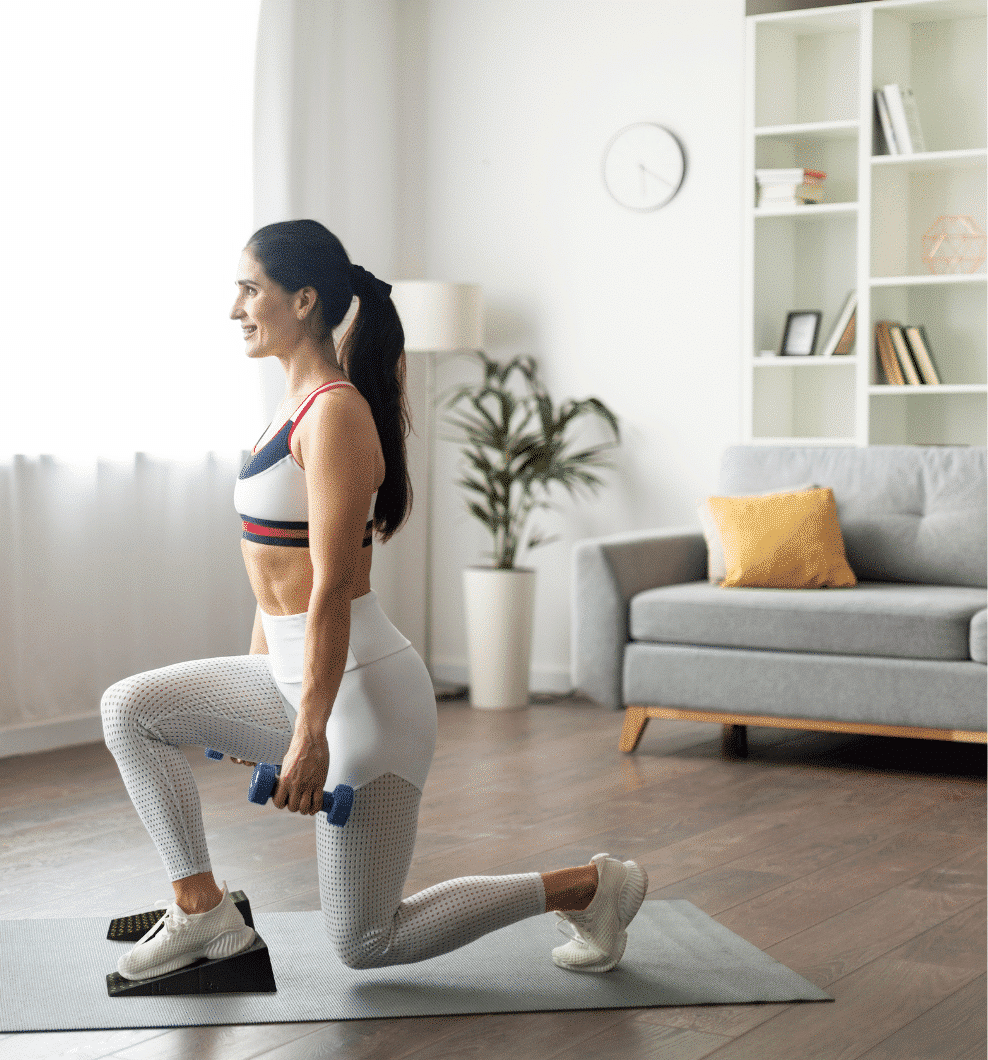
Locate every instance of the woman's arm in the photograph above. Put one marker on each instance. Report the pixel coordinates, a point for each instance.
(258, 642)
(336, 442)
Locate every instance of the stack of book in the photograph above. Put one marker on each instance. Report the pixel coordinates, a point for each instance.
(904, 355)
(899, 120)
(779, 188)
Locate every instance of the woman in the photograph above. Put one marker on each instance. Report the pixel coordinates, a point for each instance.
(330, 690)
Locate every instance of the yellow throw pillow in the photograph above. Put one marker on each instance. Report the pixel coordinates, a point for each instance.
(716, 572)
(783, 541)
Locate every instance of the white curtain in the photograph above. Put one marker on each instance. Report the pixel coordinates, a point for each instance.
(111, 568)
(127, 195)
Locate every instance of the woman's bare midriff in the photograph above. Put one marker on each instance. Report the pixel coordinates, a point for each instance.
(281, 576)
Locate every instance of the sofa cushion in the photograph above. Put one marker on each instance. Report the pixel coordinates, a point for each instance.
(907, 513)
(783, 541)
(979, 637)
(876, 618)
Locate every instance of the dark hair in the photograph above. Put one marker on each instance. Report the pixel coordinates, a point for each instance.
(297, 254)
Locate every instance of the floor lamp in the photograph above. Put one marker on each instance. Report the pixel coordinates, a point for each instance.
(438, 318)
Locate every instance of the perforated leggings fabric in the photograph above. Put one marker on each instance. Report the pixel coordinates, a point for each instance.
(234, 705)
(371, 854)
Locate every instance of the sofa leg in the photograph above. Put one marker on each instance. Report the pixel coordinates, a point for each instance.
(635, 720)
(734, 741)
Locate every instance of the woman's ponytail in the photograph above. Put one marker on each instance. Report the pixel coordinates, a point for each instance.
(372, 354)
(297, 254)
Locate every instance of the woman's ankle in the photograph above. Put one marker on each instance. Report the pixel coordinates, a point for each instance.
(570, 890)
(197, 894)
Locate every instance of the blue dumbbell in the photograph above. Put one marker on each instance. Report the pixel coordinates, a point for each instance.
(336, 805)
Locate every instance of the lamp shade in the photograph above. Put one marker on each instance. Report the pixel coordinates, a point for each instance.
(439, 317)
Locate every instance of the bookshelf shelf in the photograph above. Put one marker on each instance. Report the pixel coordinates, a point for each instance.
(840, 361)
(808, 210)
(813, 130)
(949, 280)
(909, 390)
(810, 104)
(924, 162)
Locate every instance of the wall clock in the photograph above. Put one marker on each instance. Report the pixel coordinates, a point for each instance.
(644, 166)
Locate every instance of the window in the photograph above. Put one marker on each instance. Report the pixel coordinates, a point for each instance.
(126, 195)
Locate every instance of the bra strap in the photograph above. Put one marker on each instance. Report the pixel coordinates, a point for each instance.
(307, 404)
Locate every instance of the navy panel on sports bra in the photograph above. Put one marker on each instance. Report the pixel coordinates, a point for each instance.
(268, 455)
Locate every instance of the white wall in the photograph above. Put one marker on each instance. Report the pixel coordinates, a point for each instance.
(507, 108)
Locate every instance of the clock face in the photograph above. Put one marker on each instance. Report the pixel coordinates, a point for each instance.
(643, 166)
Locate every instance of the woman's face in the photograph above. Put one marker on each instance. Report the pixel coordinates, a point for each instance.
(265, 310)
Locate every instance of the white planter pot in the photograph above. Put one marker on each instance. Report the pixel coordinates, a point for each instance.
(499, 608)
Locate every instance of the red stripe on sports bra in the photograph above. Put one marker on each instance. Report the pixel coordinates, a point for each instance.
(306, 405)
(270, 531)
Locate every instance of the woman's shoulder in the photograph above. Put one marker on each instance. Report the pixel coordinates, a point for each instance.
(338, 417)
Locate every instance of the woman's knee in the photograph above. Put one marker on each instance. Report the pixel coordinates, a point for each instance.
(360, 950)
(121, 709)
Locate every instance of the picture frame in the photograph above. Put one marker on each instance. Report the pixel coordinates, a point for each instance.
(800, 335)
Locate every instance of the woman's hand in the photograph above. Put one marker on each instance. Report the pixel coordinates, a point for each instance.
(303, 772)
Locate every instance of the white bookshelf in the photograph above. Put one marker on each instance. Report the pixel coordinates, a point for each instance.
(811, 78)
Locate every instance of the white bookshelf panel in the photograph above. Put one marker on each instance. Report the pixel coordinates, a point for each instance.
(837, 156)
(906, 201)
(802, 262)
(941, 55)
(790, 402)
(811, 104)
(953, 319)
(906, 416)
(806, 70)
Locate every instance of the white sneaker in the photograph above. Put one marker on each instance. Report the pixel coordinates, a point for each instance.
(181, 938)
(599, 932)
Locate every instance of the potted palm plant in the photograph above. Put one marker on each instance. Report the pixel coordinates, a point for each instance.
(516, 447)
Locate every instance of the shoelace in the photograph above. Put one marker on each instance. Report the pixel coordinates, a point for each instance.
(566, 926)
(173, 920)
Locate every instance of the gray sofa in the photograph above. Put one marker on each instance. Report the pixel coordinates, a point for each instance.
(903, 653)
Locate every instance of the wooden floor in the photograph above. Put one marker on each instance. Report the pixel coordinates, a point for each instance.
(857, 861)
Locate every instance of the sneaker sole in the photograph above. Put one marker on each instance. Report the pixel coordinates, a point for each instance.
(225, 945)
(629, 902)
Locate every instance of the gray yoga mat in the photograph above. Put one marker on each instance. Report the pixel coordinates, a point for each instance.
(53, 975)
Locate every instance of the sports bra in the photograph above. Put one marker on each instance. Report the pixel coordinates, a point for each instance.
(270, 494)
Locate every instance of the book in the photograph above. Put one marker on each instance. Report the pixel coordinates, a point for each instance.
(921, 354)
(885, 122)
(904, 356)
(905, 118)
(886, 355)
(846, 344)
(789, 176)
(912, 118)
(789, 194)
(845, 321)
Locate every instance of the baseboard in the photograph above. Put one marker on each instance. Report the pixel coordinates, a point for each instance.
(50, 734)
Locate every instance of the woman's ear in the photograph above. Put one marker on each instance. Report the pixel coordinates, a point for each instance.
(305, 302)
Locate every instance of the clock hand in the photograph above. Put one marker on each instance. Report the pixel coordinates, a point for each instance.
(645, 169)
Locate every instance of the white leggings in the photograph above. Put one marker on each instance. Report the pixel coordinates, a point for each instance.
(235, 706)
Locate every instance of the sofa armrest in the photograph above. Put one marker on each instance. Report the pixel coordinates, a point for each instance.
(607, 573)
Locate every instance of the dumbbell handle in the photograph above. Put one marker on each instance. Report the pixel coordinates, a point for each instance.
(336, 804)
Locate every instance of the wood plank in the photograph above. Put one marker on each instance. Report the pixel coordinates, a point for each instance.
(952, 1030)
(79, 1045)
(811, 899)
(871, 1005)
(848, 941)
